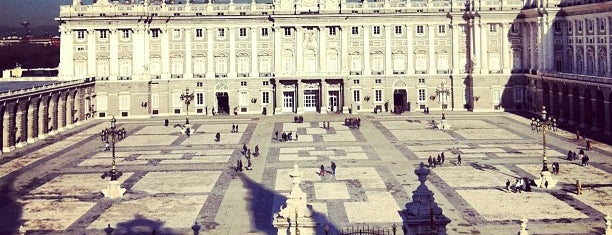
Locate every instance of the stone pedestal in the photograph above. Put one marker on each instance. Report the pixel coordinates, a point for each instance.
(296, 216)
(423, 216)
(113, 190)
(546, 176)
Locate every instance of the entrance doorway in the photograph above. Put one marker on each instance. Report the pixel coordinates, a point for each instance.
(288, 101)
(333, 101)
(311, 100)
(400, 101)
(223, 102)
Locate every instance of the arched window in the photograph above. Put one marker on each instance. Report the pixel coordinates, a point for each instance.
(494, 66)
(220, 65)
(421, 62)
(356, 63)
(176, 66)
(243, 63)
(125, 67)
(377, 62)
(199, 66)
(287, 60)
(310, 61)
(332, 60)
(603, 62)
(443, 62)
(399, 62)
(103, 68)
(517, 61)
(265, 63)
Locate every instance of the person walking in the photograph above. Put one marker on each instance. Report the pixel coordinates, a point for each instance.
(333, 167)
(296, 136)
(439, 160)
(588, 144)
(430, 161)
(276, 135)
(256, 154)
(442, 155)
(322, 170)
(508, 185)
(459, 159)
(233, 128)
(218, 137)
(106, 146)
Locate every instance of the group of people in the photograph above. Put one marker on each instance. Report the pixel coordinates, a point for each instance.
(582, 156)
(352, 122)
(286, 136)
(322, 169)
(433, 162)
(234, 128)
(246, 153)
(519, 186)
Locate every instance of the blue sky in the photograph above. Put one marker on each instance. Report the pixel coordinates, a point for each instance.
(37, 12)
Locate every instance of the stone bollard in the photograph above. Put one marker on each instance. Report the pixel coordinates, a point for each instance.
(523, 230)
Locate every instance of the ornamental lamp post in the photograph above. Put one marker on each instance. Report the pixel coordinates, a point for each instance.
(545, 123)
(113, 189)
(442, 92)
(187, 98)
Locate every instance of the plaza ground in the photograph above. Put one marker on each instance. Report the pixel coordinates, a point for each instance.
(172, 181)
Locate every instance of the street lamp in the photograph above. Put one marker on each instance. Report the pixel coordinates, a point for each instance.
(113, 189)
(187, 98)
(545, 123)
(442, 92)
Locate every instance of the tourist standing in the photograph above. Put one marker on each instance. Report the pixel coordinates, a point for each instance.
(322, 170)
(333, 167)
(459, 159)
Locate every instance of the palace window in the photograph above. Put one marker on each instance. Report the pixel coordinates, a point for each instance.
(243, 83)
(242, 32)
(199, 99)
(287, 32)
(398, 29)
(125, 34)
(441, 29)
(376, 30)
(155, 33)
(356, 96)
(103, 34)
(265, 97)
(264, 32)
(199, 33)
(420, 30)
(377, 95)
(492, 28)
(355, 30)
(220, 33)
(176, 34)
(422, 95)
(356, 81)
(332, 31)
(80, 34)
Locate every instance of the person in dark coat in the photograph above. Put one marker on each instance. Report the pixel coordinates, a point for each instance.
(333, 167)
(322, 170)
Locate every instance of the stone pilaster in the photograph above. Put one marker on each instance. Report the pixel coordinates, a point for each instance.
(32, 119)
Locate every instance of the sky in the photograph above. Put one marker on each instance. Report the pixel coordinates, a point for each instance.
(37, 12)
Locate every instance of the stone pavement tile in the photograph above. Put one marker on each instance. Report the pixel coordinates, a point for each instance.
(521, 146)
(107, 161)
(538, 152)
(118, 154)
(321, 153)
(437, 147)
(209, 138)
(469, 124)
(405, 125)
(178, 182)
(597, 197)
(316, 131)
(223, 128)
(284, 150)
(368, 177)
(349, 156)
(158, 155)
(203, 152)
(320, 211)
(283, 182)
(569, 172)
(339, 136)
(294, 126)
(483, 150)
(197, 160)
(295, 157)
(468, 176)
(157, 130)
(449, 157)
(484, 134)
(159, 209)
(497, 205)
(331, 191)
(421, 135)
(42, 214)
(74, 185)
(150, 140)
(348, 149)
(381, 207)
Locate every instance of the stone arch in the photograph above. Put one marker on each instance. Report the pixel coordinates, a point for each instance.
(576, 105)
(546, 95)
(602, 61)
(588, 108)
(565, 104)
(399, 83)
(590, 60)
(579, 60)
(600, 110)
(44, 115)
(554, 108)
(221, 87)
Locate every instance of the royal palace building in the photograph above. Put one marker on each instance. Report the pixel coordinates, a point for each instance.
(298, 56)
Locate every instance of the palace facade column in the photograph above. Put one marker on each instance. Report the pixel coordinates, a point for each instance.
(431, 50)
(43, 117)
(254, 56)
(455, 48)
(344, 62)
(322, 49)
(210, 56)
(188, 56)
(91, 53)
(345, 95)
(114, 54)
(232, 53)
(299, 49)
(8, 128)
(410, 54)
(367, 70)
(574, 45)
(533, 30)
(140, 55)
(165, 52)
(506, 49)
(299, 92)
(477, 46)
(61, 111)
(66, 65)
(21, 123)
(277, 50)
(388, 59)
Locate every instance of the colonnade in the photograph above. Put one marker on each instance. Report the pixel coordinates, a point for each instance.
(37, 113)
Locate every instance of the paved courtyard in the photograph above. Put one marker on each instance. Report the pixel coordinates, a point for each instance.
(172, 181)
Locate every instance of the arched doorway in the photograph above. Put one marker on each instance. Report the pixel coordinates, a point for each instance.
(400, 97)
(576, 105)
(588, 108)
(601, 110)
(221, 92)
